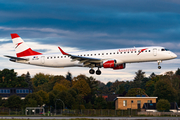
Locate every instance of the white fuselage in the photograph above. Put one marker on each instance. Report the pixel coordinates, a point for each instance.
(125, 55)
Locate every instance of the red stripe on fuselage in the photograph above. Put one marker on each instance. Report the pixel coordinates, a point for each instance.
(14, 35)
(28, 52)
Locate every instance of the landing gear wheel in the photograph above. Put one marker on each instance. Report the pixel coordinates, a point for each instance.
(91, 71)
(159, 67)
(98, 72)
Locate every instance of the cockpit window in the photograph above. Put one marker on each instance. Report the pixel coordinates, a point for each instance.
(164, 50)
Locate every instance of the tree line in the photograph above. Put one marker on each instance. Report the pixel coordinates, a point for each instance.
(82, 92)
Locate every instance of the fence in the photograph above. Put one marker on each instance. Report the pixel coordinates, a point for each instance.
(67, 112)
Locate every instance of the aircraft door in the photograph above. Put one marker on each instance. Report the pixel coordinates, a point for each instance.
(155, 51)
(42, 59)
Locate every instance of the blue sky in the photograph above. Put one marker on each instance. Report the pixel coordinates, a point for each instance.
(91, 25)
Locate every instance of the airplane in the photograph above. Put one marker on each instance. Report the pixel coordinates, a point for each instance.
(111, 58)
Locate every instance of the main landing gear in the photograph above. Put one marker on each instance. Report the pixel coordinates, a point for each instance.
(159, 61)
(91, 71)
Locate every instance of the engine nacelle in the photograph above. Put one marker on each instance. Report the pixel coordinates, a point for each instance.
(120, 66)
(109, 64)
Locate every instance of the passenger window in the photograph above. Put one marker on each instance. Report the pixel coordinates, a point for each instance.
(94, 54)
(149, 50)
(110, 53)
(124, 52)
(106, 53)
(117, 52)
(47, 57)
(121, 52)
(51, 57)
(131, 51)
(128, 52)
(87, 54)
(54, 57)
(114, 52)
(61, 56)
(58, 57)
(102, 53)
(99, 54)
(64, 56)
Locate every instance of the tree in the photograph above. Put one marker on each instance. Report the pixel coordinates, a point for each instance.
(33, 100)
(163, 105)
(44, 96)
(135, 91)
(8, 78)
(67, 98)
(109, 84)
(177, 72)
(164, 90)
(40, 79)
(138, 78)
(152, 75)
(69, 76)
(14, 101)
(52, 97)
(28, 80)
(59, 87)
(65, 83)
(150, 86)
(120, 90)
(82, 86)
(100, 103)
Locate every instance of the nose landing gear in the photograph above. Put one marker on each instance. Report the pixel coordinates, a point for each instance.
(159, 61)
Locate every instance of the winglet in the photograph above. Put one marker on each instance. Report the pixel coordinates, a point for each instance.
(63, 51)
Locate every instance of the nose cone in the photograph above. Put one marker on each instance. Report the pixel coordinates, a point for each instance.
(173, 55)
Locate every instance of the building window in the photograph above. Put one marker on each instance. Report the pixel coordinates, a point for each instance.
(149, 101)
(23, 91)
(124, 102)
(138, 102)
(27, 91)
(8, 91)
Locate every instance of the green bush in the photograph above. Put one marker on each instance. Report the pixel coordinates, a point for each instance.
(163, 105)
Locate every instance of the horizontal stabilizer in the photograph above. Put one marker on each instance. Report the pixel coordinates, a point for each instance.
(15, 58)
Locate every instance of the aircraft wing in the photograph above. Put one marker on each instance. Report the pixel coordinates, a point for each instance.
(87, 61)
(15, 58)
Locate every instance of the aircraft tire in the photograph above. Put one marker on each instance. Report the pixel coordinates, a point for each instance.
(91, 71)
(159, 67)
(98, 72)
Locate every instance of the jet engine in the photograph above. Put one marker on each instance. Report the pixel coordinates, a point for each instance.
(109, 64)
(113, 64)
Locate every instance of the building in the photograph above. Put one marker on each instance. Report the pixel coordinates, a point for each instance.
(124, 103)
(7, 92)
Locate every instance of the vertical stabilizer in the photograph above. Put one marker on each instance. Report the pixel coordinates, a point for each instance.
(21, 48)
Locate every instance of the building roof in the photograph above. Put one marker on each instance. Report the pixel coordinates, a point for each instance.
(134, 98)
